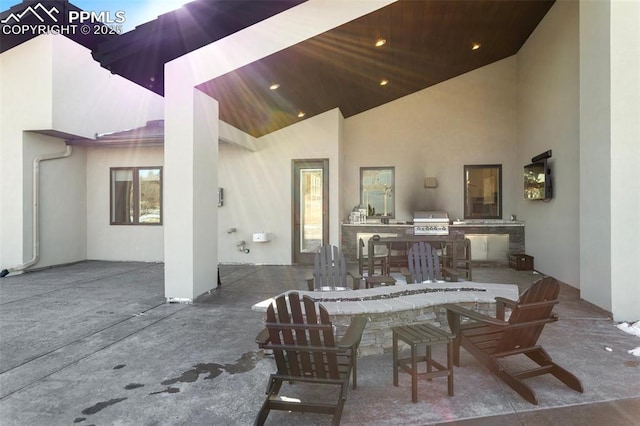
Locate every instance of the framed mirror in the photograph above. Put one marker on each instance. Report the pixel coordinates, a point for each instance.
(377, 191)
(483, 191)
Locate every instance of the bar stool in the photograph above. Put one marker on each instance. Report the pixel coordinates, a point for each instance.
(428, 335)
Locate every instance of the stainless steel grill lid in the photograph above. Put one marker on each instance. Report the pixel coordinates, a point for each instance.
(430, 223)
(430, 217)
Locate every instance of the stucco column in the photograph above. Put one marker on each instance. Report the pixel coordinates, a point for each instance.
(609, 156)
(595, 164)
(190, 185)
(192, 130)
(625, 157)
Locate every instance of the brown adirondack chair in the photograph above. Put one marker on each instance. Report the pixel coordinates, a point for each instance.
(305, 350)
(491, 340)
(457, 255)
(330, 271)
(424, 265)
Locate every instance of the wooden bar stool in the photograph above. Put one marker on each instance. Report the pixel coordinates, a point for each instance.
(422, 334)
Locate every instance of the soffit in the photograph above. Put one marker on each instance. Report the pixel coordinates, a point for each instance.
(427, 42)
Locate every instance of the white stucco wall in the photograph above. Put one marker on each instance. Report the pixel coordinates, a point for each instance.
(88, 99)
(625, 157)
(25, 103)
(578, 94)
(549, 118)
(466, 120)
(61, 204)
(609, 134)
(204, 216)
(118, 242)
(469, 119)
(52, 84)
(257, 188)
(595, 153)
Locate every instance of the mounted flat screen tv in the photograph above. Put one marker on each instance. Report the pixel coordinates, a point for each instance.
(537, 181)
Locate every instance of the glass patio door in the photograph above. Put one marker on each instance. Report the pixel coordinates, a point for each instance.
(310, 208)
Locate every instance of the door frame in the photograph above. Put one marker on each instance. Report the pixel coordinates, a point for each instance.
(298, 258)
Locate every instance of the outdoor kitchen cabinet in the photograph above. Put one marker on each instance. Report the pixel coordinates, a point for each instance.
(489, 246)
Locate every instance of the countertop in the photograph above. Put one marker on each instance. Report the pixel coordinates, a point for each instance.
(454, 224)
(487, 222)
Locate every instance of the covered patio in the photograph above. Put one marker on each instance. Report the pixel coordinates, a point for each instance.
(96, 343)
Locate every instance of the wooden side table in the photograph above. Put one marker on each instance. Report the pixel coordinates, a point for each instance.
(422, 334)
(375, 280)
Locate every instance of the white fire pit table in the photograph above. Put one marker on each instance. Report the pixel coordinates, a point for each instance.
(387, 307)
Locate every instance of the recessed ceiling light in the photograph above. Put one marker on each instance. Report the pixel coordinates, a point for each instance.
(380, 42)
(301, 114)
(384, 82)
(274, 86)
(475, 46)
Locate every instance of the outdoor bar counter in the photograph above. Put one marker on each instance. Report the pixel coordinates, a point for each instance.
(402, 304)
(513, 231)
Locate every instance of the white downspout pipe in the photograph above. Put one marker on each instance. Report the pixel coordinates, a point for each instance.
(36, 214)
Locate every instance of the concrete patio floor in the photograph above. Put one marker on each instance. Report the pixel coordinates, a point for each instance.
(94, 343)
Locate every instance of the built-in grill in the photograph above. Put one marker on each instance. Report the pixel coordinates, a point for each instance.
(430, 223)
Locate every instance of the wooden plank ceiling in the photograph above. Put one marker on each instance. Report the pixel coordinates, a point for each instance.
(427, 42)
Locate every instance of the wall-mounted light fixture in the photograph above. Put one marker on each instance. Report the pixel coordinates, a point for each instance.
(430, 182)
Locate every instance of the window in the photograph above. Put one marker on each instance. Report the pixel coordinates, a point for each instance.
(483, 191)
(377, 191)
(136, 196)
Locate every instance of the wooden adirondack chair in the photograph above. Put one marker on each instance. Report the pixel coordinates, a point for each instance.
(305, 350)
(330, 271)
(424, 265)
(491, 340)
(461, 251)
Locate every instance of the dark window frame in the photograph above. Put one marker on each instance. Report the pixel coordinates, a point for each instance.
(136, 195)
(469, 211)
